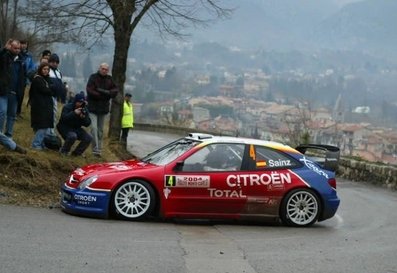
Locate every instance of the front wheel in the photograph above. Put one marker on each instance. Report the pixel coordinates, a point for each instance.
(300, 208)
(133, 200)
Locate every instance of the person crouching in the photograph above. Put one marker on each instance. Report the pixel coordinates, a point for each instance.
(73, 117)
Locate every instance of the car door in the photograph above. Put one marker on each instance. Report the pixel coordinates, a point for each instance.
(267, 179)
(200, 186)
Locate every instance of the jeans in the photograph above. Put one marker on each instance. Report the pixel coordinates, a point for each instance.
(97, 123)
(8, 111)
(55, 111)
(7, 142)
(70, 139)
(38, 140)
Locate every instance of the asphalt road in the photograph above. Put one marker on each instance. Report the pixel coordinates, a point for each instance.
(360, 238)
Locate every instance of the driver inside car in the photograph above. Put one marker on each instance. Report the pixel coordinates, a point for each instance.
(219, 159)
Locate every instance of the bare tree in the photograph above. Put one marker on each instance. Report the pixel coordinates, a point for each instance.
(8, 19)
(297, 121)
(90, 20)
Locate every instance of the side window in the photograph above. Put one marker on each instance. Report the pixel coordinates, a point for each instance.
(263, 158)
(215, 157)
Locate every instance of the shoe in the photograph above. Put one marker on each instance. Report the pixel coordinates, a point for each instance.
(97, 155)
(20, 150)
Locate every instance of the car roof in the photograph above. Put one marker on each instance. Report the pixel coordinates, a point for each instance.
(208, 138)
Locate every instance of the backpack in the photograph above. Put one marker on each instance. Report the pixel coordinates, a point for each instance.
(52, 142)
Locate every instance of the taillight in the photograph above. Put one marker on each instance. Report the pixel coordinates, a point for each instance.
(332, 182)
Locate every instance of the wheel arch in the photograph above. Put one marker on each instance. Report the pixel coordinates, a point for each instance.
(156, 210)
(318, 195)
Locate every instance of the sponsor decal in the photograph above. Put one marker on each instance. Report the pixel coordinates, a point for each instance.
(270, 201)
(120, 167)
(312, 166)
(187, 181)
(65, 196)
(261, 164)
(82, 199)
(166, 192)
(226, 193)
(272, 181)
(265, 179)
(280, 163)
(252, 152)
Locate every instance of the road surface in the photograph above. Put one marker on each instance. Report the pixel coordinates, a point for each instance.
(361, 238)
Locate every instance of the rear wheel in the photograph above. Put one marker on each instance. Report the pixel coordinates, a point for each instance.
(133, 200)
(300, 208)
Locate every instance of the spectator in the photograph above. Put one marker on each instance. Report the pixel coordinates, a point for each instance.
(45, 54)
(30, 70)
(41, 113)
(74, 116)
(27, 58)
(33, 73)
(127, 120)
(56, 83)
(56, 78)
(12, 82)
(10, 144)
(100, 89)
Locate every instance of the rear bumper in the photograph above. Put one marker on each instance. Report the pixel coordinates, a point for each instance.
(330, 207)
(85, 202)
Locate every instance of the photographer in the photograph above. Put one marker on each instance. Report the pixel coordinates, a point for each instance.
(74, 116)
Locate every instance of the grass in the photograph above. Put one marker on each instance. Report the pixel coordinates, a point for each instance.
(34, 179)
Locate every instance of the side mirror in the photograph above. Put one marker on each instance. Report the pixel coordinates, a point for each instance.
(179, 166)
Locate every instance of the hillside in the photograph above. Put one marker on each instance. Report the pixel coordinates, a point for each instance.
(34, 179)
(364, 26)
(309, 25)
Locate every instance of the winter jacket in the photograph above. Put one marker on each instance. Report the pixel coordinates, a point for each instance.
(12, 73)
(69, 121)
(127, 121)
(40, 99)
(29, 66)
(57, 85)
(100, 89)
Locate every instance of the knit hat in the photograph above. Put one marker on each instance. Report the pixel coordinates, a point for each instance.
(79, 97)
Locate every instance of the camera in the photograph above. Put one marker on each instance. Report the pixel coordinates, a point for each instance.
(84, 111)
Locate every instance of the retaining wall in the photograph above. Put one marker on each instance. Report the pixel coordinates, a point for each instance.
(374, 173)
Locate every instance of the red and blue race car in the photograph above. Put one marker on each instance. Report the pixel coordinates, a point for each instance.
(211, 177)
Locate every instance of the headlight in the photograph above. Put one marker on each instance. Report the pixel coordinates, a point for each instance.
(88, 181)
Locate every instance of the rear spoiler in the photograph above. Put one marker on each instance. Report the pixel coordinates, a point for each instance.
(326, 156)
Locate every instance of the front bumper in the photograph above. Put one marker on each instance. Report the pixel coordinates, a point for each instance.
(85, 202)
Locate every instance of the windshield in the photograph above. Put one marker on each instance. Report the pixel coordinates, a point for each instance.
(170, 152)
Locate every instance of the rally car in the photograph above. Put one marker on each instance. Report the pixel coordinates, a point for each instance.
(202, 176)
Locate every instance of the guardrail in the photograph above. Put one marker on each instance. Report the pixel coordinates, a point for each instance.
(351, 169)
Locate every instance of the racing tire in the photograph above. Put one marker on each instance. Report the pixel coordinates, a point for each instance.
(133, 200)
(300, 208)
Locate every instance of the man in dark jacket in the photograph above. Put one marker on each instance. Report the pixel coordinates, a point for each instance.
(56, 79)
(12, 82)
(74, 116)
(29, 67)
(100, 89)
